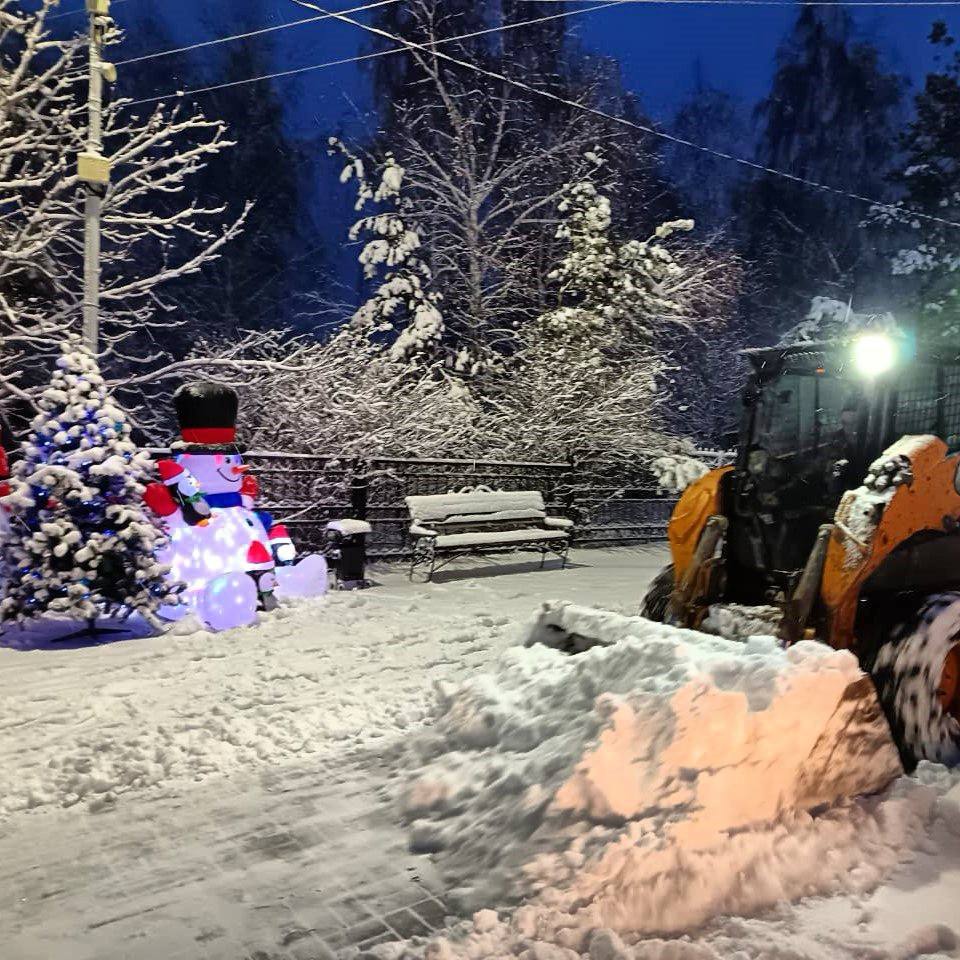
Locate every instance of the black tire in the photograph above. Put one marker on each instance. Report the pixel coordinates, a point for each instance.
(654, 606)
(907, 671)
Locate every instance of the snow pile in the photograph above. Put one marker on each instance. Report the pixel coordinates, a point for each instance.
(861, 510)
(830, 319)
(738, 622)
(653, 782)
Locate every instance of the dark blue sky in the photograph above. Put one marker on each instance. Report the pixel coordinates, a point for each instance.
(656, 45)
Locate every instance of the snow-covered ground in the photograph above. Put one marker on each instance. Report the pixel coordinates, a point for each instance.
(237, 795)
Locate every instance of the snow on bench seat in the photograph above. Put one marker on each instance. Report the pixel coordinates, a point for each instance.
(493, 537)
(449, 525)
(474, 505)
(496, 516)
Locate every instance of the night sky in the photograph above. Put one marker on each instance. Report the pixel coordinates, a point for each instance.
(657, 47)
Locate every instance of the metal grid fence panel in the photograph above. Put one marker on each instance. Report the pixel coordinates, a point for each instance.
(918, 403)
(307, 491)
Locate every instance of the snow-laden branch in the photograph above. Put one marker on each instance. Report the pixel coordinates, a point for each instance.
(153, 231)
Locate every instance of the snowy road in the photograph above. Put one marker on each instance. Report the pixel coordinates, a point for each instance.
(226, 796)
(222, 796)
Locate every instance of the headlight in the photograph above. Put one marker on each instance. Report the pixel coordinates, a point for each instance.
(873, 354)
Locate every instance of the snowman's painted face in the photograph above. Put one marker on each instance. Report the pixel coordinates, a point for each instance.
(215, 472)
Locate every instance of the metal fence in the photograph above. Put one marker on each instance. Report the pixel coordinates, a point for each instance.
(306, 491)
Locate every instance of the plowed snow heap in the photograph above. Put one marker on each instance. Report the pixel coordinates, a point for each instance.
(657, 779)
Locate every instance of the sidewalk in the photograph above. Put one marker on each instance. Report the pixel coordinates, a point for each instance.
(228, 796)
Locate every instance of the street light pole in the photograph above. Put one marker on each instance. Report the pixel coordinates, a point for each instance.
(94, 170)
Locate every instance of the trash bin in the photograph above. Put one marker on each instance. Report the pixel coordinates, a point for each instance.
(347, 552)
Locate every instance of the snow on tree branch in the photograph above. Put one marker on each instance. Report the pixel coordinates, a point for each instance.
(403, 303)
(153, 230)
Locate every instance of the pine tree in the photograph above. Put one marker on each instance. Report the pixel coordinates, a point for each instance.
(402, 306)
(81, 544)
(926, 251)
(831, 116)
(610, 292)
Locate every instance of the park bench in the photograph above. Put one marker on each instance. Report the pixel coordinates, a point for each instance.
(478, 521)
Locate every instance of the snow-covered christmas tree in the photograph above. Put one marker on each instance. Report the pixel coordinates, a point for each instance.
(80, 543)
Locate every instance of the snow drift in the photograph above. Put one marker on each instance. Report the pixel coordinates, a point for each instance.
(654, 781)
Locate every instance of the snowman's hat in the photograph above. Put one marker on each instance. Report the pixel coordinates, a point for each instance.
(207, 414)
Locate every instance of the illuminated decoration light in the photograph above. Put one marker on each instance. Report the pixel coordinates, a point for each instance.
(227, 601)
(874, 354)
(217, 540)
(307, 579)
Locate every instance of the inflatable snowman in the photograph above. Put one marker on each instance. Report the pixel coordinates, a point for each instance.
(4, 491)
(220, 547)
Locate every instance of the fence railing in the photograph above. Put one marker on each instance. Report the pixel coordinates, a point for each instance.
(306, 491)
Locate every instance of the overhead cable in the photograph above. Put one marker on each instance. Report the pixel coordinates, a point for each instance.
(251, 33)
(642, 128)
(400, 48)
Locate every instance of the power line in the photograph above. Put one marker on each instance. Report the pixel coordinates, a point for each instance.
(643, 128)
(73, 13)
(251, 33)
(789, 4)
(368, 56)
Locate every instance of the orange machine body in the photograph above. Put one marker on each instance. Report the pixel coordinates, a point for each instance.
(700, 501)
(869, 526)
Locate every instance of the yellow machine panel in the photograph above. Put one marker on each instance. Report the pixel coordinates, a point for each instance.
(696, 505)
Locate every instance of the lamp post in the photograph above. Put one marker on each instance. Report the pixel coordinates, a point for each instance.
(94, 170)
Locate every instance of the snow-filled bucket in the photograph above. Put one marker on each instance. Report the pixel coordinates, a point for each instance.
(654, 780)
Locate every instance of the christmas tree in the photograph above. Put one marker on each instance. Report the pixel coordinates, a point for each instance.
(80, 542)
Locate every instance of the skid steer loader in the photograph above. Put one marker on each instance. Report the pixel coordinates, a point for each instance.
(839, 521)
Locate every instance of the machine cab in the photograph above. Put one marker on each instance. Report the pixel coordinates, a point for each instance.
(815, 416)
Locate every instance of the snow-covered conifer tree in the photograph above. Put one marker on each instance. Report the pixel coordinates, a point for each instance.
(606, 288)
(403, 302)
(80, 542)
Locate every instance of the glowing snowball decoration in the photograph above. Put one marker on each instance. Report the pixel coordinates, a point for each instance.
(307, 579)
(229, 601)
(874, 354)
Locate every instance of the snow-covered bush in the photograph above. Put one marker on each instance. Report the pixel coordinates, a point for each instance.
(80, 542)
(354, 400)
(675, 472)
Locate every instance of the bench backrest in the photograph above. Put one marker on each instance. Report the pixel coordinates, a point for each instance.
(477, 506)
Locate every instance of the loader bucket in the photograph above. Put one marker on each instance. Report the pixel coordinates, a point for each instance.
(809, 711)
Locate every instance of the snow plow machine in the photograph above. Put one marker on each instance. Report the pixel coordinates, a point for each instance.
(840, 522)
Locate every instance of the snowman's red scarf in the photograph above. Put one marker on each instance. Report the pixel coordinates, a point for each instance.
(220, 501)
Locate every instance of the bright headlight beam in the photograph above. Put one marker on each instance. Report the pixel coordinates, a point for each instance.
(873, 354)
